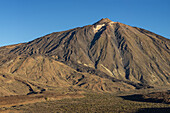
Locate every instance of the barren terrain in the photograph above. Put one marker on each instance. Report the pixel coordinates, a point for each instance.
(104, 67)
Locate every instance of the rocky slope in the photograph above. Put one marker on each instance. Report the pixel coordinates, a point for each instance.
(106, 56)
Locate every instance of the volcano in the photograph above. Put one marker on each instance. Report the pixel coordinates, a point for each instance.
(104, 57)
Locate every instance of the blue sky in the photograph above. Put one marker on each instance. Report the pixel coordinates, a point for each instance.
(25, 20)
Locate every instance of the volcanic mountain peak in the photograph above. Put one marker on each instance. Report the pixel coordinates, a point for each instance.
(103, 21)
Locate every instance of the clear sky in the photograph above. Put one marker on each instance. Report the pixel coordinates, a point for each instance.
(25, 20)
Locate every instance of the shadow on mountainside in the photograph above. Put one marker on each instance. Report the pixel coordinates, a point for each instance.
(155, 97)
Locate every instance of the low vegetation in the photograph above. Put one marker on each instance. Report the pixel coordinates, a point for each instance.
(92, 102)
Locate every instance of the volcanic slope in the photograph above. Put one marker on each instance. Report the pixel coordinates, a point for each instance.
(106, 56)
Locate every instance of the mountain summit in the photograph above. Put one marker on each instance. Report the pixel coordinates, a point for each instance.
(103, 21)
(106, 56)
